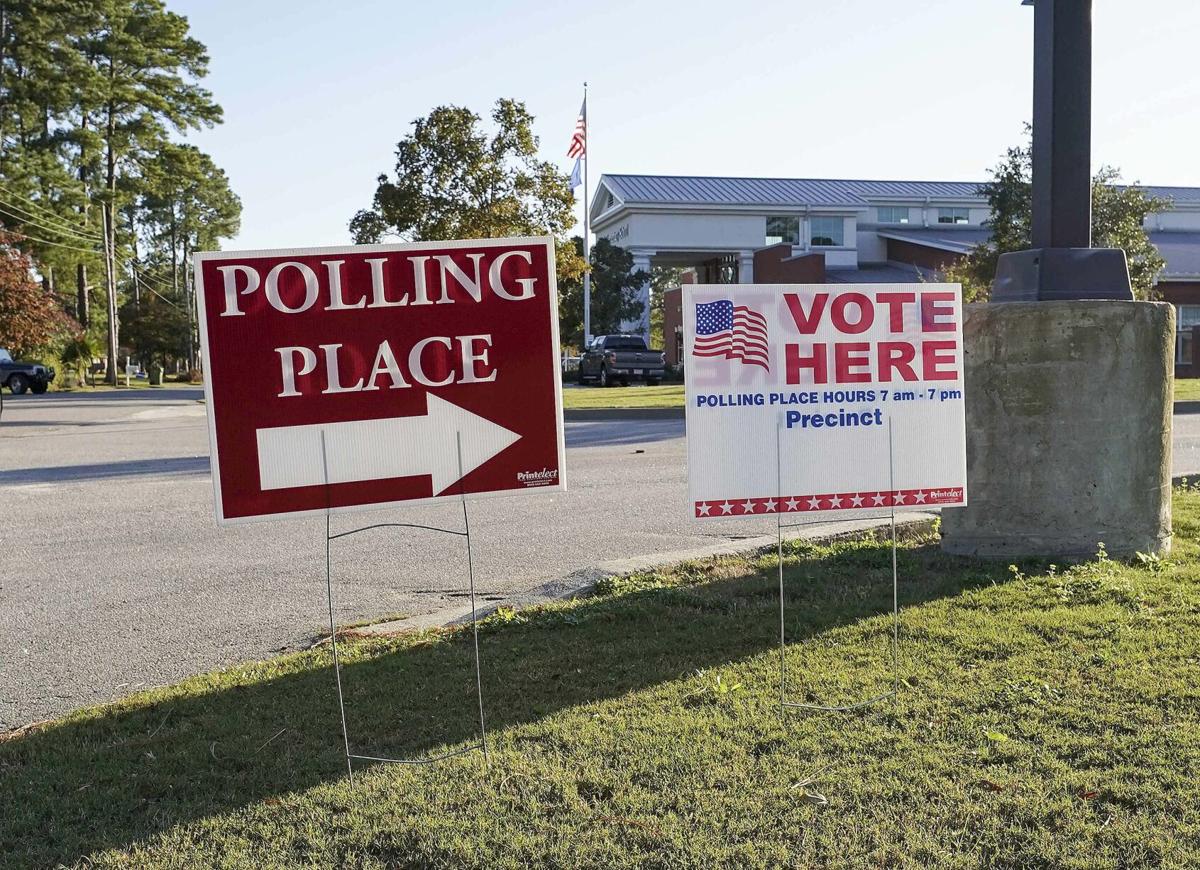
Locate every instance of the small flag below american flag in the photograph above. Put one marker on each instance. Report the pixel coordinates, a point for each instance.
(731, 331)
(579, 137)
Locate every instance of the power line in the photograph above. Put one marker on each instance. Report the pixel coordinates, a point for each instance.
(158, 282)
(160, 296)
(46, 223)
(15, 213)
(161, 283)
(48, 242)
(56, 222)
(141, 279)
(49, 214)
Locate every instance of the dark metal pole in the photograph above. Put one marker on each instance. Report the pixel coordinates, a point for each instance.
(1062, 124)
(1062, 264)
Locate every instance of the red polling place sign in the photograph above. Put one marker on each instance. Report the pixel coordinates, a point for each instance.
(378, 375)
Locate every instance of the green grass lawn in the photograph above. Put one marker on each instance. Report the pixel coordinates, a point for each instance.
(671, 396)
(1187, 389)
(1048, 717)
(134, 384)
(665, 396)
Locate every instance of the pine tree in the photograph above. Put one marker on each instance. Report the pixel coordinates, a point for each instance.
(146, 68)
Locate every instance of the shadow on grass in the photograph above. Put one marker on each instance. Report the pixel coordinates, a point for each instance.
(216, 744)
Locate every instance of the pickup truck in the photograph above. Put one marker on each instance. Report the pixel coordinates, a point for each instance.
(612, 358)
(22, 376)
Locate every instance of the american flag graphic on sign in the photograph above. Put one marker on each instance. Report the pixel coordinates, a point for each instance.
(731, 331)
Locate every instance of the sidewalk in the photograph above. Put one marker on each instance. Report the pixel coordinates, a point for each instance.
(581, 582)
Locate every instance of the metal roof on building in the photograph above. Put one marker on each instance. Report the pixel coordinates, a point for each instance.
(798, 192)
(951, 237)
(1179, 195)
(880, 273)
(711, 190)
(1181, 250)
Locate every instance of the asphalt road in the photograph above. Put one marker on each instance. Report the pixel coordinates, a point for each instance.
(115, 576)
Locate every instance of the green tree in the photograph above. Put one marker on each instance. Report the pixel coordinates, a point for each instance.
(456, 180)
(157, 330)
(1118, 221)
(43, 77)
(91, 94)
(615, 288)
(144, 78)
(185, 205)
(77, 355)
(662, 279)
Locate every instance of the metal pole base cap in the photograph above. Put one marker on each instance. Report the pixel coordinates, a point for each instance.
(1056, 274)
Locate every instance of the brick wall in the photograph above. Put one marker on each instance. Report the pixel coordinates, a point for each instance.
(776, 265)
(1184, 293)
(919, 255)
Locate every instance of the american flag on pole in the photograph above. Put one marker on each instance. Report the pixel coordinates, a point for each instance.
(731, 331)
(579, 137)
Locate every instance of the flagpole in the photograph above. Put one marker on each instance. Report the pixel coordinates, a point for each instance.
(587, 230)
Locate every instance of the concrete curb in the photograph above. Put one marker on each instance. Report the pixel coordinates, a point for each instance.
(580, 582)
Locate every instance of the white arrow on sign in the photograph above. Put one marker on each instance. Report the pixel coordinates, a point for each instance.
(380, 449)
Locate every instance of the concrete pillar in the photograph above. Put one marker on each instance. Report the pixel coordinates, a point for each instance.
(641, 262)
(1068, 409)
(746, 267)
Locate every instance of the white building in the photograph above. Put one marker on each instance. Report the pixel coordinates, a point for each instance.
(792, 230)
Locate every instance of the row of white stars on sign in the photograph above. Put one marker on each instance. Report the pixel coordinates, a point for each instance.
(843, 501)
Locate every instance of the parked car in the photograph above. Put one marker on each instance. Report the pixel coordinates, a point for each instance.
(22, 376)
(621, 358)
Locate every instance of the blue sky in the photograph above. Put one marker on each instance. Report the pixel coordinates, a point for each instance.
(316, 95)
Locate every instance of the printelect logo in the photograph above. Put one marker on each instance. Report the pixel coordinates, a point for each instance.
(545, 477)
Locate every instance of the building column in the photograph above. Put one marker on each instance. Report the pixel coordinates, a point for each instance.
(746, 267)
(641, 326)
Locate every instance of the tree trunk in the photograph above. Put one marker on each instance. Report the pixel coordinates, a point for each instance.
(189, 290)
(82, 312)
(174, 256)
(81, 295)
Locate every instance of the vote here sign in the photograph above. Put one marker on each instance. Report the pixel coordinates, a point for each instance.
(823, 398)
(368, 376)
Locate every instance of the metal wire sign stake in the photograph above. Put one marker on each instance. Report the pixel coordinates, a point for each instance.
(465, 533)
(823, 369)
(362, 407)
(784, 703)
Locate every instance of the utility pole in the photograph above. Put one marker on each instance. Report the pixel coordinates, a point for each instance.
(82, 312)
(1062, 264)
(110, 280)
